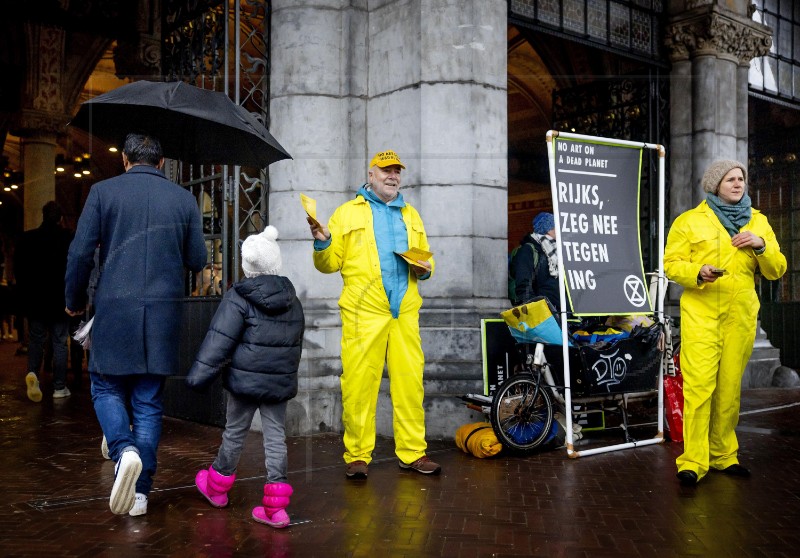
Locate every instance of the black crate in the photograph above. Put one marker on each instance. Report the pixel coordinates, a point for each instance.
(625, 366)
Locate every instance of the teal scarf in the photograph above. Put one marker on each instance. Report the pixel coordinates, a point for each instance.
(733, 217)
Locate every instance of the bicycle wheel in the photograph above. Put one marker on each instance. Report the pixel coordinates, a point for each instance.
(522, 413)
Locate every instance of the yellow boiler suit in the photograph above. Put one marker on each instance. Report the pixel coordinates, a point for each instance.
(371, 337)
(718, 328)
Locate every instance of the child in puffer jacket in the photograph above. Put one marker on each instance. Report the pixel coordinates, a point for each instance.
(254, 341)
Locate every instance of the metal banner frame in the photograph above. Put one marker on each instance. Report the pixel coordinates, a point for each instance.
(661, 283)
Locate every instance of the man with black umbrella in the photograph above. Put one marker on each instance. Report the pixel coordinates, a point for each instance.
(149, 231)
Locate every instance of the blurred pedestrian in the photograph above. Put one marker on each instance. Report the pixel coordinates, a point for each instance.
(7, 299)
(533, 266)
(40, 263)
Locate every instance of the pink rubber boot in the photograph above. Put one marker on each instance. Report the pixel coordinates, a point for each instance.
(214, 486)
(276, 498)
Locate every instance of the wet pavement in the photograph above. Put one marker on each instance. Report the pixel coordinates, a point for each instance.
(625, 503)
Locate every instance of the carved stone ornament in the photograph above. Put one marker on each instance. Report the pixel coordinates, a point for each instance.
(45, 74)
(139, 59)
(139, 55)
(709, 31)
(32, 122)
(691, 4)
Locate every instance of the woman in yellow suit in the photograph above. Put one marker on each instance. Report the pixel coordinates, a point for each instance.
(714, 251)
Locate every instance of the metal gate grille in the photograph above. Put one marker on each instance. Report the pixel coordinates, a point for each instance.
(634, 108)
(222, 46)
(628, 27)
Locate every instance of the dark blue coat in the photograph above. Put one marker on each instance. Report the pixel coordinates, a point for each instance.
(255, 338)
(149, 230)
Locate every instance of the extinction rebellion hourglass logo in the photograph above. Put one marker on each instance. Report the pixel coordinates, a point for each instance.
(634, 291)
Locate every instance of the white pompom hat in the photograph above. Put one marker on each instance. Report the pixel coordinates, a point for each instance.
(261, 254)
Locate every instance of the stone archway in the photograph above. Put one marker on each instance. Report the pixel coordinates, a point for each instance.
(548, 90)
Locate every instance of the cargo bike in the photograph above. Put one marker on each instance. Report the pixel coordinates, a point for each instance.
(609, 370)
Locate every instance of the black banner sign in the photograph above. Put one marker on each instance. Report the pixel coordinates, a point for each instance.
(596, 196)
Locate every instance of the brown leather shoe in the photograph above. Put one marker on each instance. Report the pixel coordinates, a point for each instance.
(356, 470)
(423, 465)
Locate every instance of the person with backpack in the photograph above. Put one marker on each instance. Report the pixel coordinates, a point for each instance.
(533, 265)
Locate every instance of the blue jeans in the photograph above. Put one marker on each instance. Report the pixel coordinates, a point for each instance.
(38, 330)
(143, 394)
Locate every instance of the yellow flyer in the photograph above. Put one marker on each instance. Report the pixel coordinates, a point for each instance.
(310, 205)
(414, 255)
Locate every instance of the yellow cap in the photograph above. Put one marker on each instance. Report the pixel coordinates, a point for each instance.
(386, 159)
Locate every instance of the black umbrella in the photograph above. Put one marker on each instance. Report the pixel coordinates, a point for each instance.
(194, 125)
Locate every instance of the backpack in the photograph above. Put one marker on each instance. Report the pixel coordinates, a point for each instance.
(512, 283)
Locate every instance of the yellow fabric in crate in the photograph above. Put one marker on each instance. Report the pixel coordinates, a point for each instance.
(531, 314)
(628, 322)
(478, 439)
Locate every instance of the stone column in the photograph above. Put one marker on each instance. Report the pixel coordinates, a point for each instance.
(318, 88)
(742, 114)
(437, 90)
(427, 79)
(710, 48)
(41, 118)
(38, 156)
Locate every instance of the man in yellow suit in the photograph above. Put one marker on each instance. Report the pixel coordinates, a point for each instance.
(714, 251)
(379, 307)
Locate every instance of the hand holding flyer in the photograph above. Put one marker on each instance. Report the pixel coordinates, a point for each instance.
(415, 255)
(310, 205)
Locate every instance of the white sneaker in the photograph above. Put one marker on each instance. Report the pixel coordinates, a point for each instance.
(32, 385)
(139, 505)
(123, 494)
(61, 393)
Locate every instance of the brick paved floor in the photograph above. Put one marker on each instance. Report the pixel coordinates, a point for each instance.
(626, 503)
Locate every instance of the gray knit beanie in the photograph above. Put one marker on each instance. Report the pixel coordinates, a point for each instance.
(717, 171)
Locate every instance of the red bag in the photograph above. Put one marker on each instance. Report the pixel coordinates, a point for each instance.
(673, 401)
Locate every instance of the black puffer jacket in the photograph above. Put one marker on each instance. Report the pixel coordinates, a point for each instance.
(255, 338)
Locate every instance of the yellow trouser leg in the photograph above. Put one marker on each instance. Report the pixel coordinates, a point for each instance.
(723, 445)
(700, 357)
(406, 362)
(364, 340)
